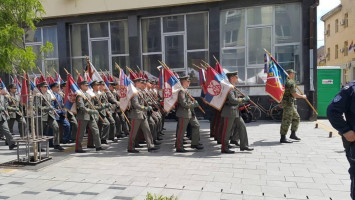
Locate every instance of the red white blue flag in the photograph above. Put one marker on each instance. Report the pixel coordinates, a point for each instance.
(171, 87)
(126, 91)
(217, 88)
(71, 90)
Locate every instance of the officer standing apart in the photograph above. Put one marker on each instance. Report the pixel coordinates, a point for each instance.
(290, 115)
(186, 115)
(344, 103)
(232, 119)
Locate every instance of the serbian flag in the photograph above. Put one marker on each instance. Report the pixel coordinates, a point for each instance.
(105, 79)
(4, 89)
(132, 75)
(110, 78)
(275, 83)
(34, 89)
(71, 90)
(18, 85)
(24, 90)
(217, 88)
(96, 76)
(50, 80)
(351, 45)
(40, 80)
(127, 90)
(171, 87)
(58, 79)
(220, 71)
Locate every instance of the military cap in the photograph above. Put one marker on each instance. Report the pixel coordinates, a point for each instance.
(93, 83)
(63, 84)
(83, 83)
(113, 83)
(143, 80)
(289, 71)
(42, 84)
(53, 84)
(184, 78)
(137, 79)
(11, 86)
(229, 74)
(101, 83)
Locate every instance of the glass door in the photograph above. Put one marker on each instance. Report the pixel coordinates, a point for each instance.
(100, 54)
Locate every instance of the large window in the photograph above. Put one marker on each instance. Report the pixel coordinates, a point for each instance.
(105, 43)
(47, 62)
(245, 33)
(181, 41)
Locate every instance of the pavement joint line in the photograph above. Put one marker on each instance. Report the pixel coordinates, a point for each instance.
(327, 128)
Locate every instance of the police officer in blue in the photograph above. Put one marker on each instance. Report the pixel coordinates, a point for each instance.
(344, 103)
(59, 106)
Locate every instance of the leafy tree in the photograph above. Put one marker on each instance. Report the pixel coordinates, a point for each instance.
(16, 18)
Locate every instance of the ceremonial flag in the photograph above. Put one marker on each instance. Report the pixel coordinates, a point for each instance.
(217, 88)
(266, 62)
(132, 75)
(110, 78)
(126, 91)
(40, 80)
(71, 90)
(202, 75)
(58, 79)
(34, 89)
(24, 90)
(4, 89)
(351, 45)
(105, 79)
(89, 69)
(171, 87)
(18, 85)
(275, 83)
(50, 80)
(218, 68)
(87, 77)
(96, 76)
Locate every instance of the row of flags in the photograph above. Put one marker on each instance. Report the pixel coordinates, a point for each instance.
(214, 83)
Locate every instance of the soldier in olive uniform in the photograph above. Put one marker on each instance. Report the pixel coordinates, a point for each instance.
(44, 102)
(70, 116)
(87, 116)
(186, 113)
(15, 111)
(97, 100)
(115, 111)
(232, 119)
(108, 110)
(4, 115)
(139, 120)
(290, 115)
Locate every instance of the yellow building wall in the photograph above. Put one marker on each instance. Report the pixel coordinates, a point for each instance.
(343, 34)
(60, 8)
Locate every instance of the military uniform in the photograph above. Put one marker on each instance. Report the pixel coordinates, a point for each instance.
(116, 114)
(186, 115)
(344, 103)
(290, 115)
(87, 117)
(111, 122)
(139, 120)
(16, 114)
(59, 106)
(48, 117)
(4, 128)
(70, 117)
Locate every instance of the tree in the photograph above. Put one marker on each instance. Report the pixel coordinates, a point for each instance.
(16, 18)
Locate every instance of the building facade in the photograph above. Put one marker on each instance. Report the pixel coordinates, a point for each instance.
(339, 28)
(182, 33)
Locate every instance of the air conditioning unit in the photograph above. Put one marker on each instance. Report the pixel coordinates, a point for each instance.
(341, 50)
(342, 22)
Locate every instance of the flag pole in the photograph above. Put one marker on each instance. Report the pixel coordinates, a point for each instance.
(193, 99)
(309, 103)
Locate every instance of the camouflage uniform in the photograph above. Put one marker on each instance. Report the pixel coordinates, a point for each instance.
(290, 115)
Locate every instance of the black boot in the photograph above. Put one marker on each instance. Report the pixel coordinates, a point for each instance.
(293, 136)
(284, 140)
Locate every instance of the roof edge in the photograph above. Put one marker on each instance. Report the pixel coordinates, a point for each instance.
(331, 12)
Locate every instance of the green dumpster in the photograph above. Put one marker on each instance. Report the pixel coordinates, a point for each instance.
(329, 84)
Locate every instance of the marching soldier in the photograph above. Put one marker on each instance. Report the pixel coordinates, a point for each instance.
(15, 111)
(70, 116)
(290, 115)
(44, 102)
(232, 119)
(139, 120)
(107, 109)
(58, 105)
(115, 112)
(4, 115)
(123, 125)
(186, 114)
(104, 125)
(87, 117)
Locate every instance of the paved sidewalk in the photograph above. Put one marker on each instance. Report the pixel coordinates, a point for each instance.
(314, 168)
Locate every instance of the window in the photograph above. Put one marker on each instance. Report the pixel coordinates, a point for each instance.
(336, 51)
(346, 20)
(48, 63)
(328, 30)
(105, 43)
(181, 41)
(328, 54)
(336, 25)
(346, 48)
(246, 32)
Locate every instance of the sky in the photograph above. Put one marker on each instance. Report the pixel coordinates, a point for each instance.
(324, 7)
